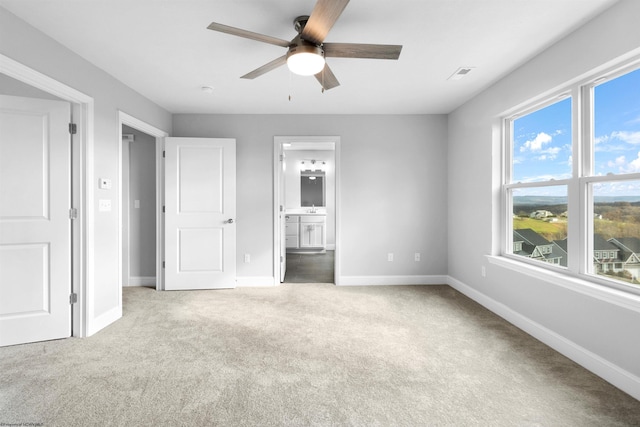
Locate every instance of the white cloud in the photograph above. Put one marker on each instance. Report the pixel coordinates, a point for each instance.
(598, 139)
(618, 162)
(634, 121)
(628, 137)
(633, 166)
(536, 143)
(546, 177)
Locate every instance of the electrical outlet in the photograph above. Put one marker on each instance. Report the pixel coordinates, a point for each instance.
(247, 258)
(390, 256)
(483, 271)
(416, 256)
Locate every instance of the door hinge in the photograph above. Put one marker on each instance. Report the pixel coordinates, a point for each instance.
(162, 264)
(281, 208)
(281, 258)
(73, 213)
(281, 157)
(164, 153)
(73, 298)
(73, 128)
(163, 208)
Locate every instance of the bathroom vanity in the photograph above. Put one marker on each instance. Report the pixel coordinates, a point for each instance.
(306, 232)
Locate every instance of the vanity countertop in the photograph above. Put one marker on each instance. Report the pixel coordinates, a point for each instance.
(302, 213)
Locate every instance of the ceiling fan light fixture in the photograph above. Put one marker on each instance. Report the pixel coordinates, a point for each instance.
(305, 60)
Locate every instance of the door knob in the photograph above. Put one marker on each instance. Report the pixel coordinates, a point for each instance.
(229, 221)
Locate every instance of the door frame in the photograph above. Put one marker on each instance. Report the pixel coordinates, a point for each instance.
(278, 142)
(159, 134)
(82, 253)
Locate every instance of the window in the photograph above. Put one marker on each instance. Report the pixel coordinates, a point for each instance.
(572, 180)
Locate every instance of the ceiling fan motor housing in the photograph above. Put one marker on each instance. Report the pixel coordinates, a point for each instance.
(305, 47)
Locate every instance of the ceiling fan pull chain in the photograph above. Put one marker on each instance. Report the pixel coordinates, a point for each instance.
(323, 79)
(289, 86)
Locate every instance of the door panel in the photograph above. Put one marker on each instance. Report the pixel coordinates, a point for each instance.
(282, 215)
(200, 200)
(35, 229)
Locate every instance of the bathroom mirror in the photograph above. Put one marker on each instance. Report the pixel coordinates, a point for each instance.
(312, 185)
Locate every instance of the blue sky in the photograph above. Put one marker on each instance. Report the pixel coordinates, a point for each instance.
(542, 139)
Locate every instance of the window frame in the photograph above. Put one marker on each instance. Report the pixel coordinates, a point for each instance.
(580, 249)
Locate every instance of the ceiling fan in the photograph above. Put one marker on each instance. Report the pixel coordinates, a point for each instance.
(307, 51)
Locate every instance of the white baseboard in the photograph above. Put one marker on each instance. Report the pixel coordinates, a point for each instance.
(391, 280)
(141, 281)
(255, 281)
(612, 373)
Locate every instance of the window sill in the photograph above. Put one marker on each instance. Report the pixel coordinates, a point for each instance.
(620, 298)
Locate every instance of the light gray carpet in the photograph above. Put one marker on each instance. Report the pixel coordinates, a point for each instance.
(311, 354)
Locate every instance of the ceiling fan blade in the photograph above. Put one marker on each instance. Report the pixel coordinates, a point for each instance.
(327, 79)
(266, 68)
(248, 34)
(359, 50)
(324, 15)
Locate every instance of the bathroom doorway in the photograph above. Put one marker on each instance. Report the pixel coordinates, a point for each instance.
(306, 202)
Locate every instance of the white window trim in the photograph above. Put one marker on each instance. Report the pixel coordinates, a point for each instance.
(580, 274)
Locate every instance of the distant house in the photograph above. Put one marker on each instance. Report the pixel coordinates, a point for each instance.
(540, 214)
(629, 254)
(527, 242)
(606, 256)
(560, 248)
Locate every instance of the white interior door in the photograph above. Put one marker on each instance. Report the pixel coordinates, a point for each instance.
(282, 215)
(35, 229)
(200, 210)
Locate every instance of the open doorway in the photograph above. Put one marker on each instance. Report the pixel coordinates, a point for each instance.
(139, 242)
(141, 201)
(306, 184)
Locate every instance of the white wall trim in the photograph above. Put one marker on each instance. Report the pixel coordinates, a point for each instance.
(256, 282)
(612, 373)
(83, 116)
(141, 281)
(392, 280)
(159, 134)
(277, 145)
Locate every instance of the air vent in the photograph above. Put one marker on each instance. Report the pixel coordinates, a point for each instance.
(460, 73)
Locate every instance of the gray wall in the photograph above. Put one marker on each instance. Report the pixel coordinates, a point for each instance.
(402, 208)
(30, 47)
(142, 220)
(606, 330)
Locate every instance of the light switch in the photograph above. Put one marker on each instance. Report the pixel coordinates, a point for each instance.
(136, 204)
(104, 205)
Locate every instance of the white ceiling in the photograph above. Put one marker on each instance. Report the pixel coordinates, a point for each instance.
(162, 49)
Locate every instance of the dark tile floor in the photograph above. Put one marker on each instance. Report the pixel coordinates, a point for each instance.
(310, 268)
